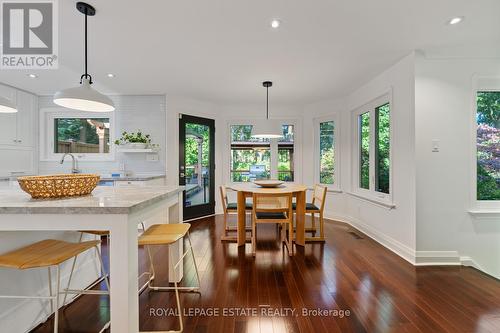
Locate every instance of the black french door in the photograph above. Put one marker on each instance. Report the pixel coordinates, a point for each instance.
(197, 165)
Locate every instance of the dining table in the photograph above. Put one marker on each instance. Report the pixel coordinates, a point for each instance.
(246, 190)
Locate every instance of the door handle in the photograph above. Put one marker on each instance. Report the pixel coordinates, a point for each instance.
(182, 174)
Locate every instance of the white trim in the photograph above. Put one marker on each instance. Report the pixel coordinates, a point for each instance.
(376, 201)
(337, 183)
(371, 194)
(47, 116)
(479, 83)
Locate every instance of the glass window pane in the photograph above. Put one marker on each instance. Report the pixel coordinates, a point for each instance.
(285, 154)
(249, 164)
(382, 146)
(364, 150)
(81, 135)
(197, 156)
(326, 152)
(488, 145)
(287, 134)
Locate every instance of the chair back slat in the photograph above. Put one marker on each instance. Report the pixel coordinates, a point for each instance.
(223, 195)
(319, 196)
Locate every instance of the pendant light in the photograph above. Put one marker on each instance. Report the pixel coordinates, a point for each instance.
(267, 129)
(84, 97)
(6, 106)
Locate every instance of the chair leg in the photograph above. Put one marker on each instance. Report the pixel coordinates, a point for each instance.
(313, 222)
(50, 290)
(254, 237)
(290, 238)
(194, 260)
(177, 298)
(321, 226)
(56, 312)
(72, 270)
(225, 224)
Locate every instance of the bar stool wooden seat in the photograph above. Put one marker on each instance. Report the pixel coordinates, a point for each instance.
(47, 254)
(167, 234)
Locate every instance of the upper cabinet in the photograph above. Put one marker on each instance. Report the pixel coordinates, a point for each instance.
(18, 128)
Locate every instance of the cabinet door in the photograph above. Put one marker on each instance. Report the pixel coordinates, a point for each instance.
(26, 104)
(8, 120)
(16, 161)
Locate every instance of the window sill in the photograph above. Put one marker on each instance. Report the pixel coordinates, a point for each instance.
(329, 190)
(378, 202)
(485, 214)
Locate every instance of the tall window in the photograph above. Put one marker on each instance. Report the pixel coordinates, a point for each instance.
(251, 158)
(382, 145)
(373, 128)
(327, 152)
(364, 150)
(285, 154)
(488, 145)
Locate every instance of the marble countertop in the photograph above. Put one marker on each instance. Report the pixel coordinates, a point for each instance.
(103, 200)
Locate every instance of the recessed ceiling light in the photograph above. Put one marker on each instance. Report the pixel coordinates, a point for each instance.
(456, 20)
(31, 75)
(275, 23)
(111, 75)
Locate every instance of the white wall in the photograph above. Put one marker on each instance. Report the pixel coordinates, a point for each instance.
(444, 112)
(132, 113)
(395, 228)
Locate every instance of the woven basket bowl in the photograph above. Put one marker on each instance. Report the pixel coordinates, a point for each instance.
(58, 186)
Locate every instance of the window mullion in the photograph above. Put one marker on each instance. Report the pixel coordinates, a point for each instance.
(372, 149)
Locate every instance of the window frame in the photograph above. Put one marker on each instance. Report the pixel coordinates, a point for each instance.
(337, 183)
(480, 84)
(273, 148)
(47, 117)
(371, 193)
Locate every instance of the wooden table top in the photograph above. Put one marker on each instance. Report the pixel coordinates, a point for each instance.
(252, 188)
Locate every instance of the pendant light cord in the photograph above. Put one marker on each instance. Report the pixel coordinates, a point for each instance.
(267, 103)
(86, 75)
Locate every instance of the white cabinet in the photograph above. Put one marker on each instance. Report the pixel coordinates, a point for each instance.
(18, 128)
(126, 183)
(17, 133)
(8, 121)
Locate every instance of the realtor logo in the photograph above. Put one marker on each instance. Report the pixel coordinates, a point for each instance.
(29, 35)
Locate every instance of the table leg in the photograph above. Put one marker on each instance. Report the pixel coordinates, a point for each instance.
(241, 218)
(124, 271)
(300, 215)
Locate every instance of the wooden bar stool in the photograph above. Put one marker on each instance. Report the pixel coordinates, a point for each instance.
(166, 234)
(50, 253)
(231, 207)
(317, 206)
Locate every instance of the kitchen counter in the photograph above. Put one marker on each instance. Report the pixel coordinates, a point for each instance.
(103, 200)
(118, 210)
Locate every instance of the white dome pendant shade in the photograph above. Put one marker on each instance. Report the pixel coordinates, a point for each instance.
(6, 106)
(84, 97)
(267, 129)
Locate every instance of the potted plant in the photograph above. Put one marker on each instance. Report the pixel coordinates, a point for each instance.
(134, 140)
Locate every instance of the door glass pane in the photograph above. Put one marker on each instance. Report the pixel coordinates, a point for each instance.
(364, 150)
(488, 145)
(81, 135)
(382, 145)
(197, 168)
(326, 152)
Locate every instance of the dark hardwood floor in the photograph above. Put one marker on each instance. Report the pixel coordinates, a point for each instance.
(373, 289)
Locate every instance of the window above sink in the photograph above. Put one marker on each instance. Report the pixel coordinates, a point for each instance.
(89, 136)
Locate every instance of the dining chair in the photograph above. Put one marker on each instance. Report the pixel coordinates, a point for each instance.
(230, 207)
(273, 208)
(317, 206)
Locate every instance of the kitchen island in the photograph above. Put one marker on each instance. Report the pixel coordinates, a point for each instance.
(118, 210)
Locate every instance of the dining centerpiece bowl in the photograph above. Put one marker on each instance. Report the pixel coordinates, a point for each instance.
(58, 186)
(268, 183)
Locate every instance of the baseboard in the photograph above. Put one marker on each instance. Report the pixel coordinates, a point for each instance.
(437, 258)
(390, 243)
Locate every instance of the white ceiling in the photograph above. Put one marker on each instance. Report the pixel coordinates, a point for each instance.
(221, 50)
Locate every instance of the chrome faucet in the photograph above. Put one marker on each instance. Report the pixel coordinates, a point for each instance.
(74, 163)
